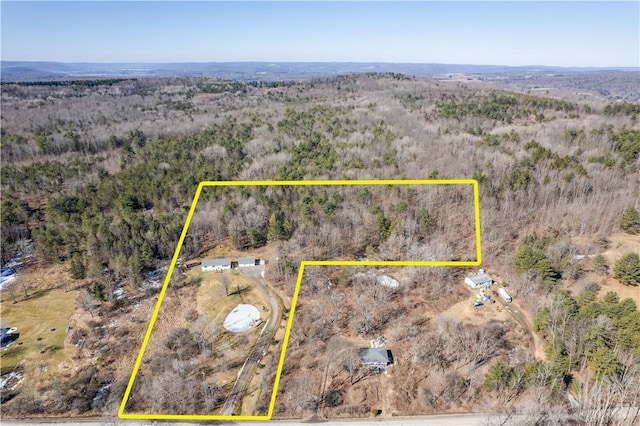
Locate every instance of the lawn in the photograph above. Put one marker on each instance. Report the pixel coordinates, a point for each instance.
(212, 296)
(42, 321)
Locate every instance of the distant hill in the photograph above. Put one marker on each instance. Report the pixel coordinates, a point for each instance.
(33, 71)
(615, 83)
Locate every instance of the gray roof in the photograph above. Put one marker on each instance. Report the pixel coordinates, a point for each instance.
(244, 260)
(376, 356)
(216, 262)
(479, 279)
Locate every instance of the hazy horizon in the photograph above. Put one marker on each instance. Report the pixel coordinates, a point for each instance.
(637, 67)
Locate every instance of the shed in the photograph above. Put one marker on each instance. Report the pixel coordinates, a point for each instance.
(216, 264)
(191, 263)
(478, 281)
(246, 261)
(376, 357)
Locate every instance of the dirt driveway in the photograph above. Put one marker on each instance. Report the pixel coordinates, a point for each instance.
(260, 348)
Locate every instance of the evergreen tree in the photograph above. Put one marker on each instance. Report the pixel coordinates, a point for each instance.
(630, 221)
(603, 361)
(599, 264)
(497, 376)
(77, 268)
(99, 291)
(627, 269)
(530, 258)
(275, 231)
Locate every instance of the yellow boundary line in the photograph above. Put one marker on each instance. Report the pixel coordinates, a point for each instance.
(294, 300)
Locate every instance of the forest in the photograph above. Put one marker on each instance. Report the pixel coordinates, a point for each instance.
(98, 176)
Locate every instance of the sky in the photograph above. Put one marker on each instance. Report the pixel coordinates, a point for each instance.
(582, 34)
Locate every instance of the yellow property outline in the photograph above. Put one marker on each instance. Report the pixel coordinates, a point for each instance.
(285, 341)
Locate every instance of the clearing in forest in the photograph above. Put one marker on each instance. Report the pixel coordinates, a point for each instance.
(454, 198)
(42, 319)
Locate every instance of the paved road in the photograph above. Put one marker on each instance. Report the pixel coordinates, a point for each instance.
(260, 348)
(623, 416)
(442, 420)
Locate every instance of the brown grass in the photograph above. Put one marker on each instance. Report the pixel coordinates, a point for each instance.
(466, 312)
(619, 245)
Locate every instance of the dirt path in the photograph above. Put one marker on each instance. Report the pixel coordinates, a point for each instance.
(521, 318)
(260, 348)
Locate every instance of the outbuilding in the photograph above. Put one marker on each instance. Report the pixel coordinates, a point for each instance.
(480, 280)
(191, 263)
(216, 264)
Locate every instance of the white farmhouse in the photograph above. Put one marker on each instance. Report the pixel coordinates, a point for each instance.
(480, 280)
(215, 264)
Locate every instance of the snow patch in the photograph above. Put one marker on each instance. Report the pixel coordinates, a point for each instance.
(9, 271)
(10, 381)
(152, 279)
(7, 275)
(118, 293)
(102, 392)
(387, 281)
(384, 280)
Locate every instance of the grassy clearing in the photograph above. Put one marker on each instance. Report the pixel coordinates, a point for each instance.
(41, 321)
(619, 244)
(466, 312)
(623, 291)
(212, 297)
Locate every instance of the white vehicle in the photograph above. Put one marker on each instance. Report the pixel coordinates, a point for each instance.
(505, 296)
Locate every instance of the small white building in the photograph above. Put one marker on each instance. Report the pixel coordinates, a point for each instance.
(480, 280)
(246, 261)
(505, 296)
(215, 264)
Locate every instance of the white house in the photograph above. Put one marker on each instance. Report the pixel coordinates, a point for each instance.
(215, 264)
(376, 357)
(246, 261)
(478, 281)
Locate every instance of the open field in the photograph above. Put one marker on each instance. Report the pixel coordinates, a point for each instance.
(220, 292)
(42, 317)
(618, 244)
(42, 320)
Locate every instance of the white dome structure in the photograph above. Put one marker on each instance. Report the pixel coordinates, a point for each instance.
(241, 318)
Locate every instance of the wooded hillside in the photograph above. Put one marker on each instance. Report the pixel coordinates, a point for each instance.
(100, 175)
